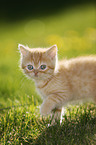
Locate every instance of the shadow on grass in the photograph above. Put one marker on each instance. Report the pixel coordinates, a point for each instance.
(78, 128)
(78, 131)
(70, 132)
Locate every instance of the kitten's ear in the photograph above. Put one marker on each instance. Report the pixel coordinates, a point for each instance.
(22, 49)
(52, 51)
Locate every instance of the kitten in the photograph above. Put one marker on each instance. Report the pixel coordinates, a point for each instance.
(59, 83)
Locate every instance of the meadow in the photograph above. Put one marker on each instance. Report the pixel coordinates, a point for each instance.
(74, 32)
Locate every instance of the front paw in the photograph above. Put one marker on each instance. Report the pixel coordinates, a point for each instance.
(45, 110)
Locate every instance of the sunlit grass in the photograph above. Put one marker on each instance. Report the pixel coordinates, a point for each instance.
(74, 32)
(24, 125)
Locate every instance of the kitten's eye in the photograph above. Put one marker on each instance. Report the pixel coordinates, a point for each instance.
(43, 67)
(30, 67)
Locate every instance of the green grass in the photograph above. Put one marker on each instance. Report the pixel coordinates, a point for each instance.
(23, 125)
(74, 32)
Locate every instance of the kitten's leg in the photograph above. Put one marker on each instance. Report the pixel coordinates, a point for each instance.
(62, 114)
(56, 115)
(49, 104)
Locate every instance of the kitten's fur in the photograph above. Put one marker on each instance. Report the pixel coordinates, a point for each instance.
(61, 82)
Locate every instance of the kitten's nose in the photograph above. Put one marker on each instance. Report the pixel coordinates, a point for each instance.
(35, 72)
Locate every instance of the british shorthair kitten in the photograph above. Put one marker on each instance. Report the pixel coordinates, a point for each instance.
(59, 82)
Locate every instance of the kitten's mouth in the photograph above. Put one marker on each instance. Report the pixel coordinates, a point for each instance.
(36, 75)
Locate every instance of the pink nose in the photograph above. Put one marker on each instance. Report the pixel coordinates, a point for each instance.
(35, 72)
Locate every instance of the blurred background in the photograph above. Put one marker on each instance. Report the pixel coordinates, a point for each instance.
(69, 24)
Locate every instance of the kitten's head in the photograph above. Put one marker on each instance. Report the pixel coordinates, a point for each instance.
(38, 63)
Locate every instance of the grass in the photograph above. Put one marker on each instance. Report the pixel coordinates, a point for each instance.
(74, 32)
(23, 125)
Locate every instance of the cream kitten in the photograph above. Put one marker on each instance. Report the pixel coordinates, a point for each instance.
(59, 83)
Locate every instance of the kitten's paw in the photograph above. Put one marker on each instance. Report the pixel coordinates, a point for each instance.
(45, 110)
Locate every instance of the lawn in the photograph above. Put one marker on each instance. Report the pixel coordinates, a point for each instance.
(74, 32)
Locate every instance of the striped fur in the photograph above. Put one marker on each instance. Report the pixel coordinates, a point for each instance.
(61, 82)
